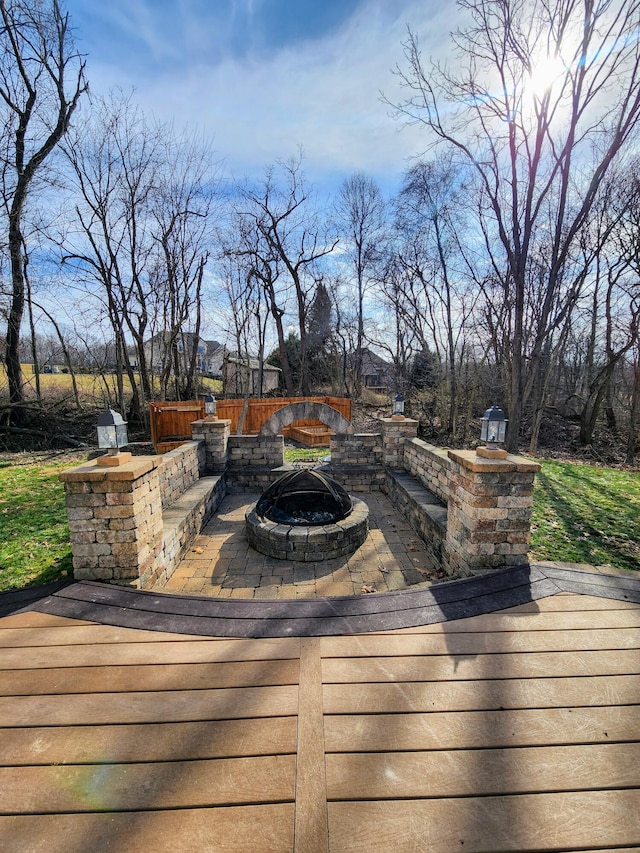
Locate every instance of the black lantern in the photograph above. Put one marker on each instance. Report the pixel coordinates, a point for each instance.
(398, 407)
(210, 405)
(493, 431)
(112, 435)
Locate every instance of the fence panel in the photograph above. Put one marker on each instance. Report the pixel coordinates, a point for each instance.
(170, 421)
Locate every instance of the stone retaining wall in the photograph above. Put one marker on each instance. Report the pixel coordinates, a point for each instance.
(259, 451)
(356, 478)
(179, 470)
(181, 523)
(116, 513)
(356, 449)
(428, 464)
(252, 479)
(424, 512)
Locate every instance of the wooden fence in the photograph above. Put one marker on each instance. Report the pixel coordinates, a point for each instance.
(171, 422)
(260, 410)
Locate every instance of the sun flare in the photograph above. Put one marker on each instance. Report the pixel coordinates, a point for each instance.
(544, 75)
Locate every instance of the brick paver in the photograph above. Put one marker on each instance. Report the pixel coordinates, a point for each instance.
(221, 563)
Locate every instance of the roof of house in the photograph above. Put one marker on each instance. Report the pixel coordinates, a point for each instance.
(253, 363)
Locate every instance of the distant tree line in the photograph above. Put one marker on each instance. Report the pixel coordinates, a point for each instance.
(506, 268)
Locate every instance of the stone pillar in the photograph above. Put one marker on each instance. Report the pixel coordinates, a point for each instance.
(115, 519)
(395, 431)
(215, 434)
(489, 512)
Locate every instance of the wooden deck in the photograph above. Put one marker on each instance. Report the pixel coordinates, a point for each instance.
(511, 729)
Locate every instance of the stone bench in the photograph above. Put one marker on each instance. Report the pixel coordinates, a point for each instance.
(182, 521)
(422, 509)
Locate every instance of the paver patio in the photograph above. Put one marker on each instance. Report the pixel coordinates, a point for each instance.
(222, 564)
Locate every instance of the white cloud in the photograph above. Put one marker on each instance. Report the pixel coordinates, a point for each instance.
(323, 95)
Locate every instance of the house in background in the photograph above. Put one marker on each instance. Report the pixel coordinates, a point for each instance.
(243, 373)
(377, 374)
(209, 354)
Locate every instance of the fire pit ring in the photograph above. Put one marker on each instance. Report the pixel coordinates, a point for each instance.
(306, 516)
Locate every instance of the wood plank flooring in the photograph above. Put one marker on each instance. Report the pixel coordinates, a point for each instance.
(517, 730)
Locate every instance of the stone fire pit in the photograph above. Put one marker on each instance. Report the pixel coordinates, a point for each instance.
(306, 516)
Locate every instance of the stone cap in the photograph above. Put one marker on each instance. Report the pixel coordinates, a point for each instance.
(91, 471)
(212, 423)
(478, 465)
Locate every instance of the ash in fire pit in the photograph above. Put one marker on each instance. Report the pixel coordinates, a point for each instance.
(304, 497)
(306, 516)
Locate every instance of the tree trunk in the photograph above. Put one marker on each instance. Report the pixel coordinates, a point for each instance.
(16, 310)
(34, 346)
(634, 414)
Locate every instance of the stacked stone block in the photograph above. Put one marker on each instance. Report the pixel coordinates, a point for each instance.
(356, 449)
(180, 469)
(424, 512)
(181, 523)
(395, 432)
(261, 451)
(428, 464)
(309, 543)
(356, 478)
(254, 462)
(242, 480)
(115, 519)
(215, 435)
(489, 511)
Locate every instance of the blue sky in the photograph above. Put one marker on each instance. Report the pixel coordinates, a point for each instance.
(265, 77)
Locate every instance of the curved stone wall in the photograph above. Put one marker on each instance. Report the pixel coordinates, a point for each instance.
(311, 543)
(306, 410)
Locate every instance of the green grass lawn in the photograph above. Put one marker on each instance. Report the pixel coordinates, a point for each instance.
(586, 514)
(305, 454)
(34, 534)
(582, 514)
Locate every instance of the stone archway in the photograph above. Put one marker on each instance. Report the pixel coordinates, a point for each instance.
(306, 410)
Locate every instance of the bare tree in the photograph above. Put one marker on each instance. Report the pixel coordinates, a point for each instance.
(360, 217)
(290, 243)
(246, 247)
(181, 209)
(246, 323)
(115, 161)
(542, 100)
(41, 81)
(431, 224)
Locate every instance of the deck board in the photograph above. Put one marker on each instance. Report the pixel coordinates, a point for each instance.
(464, 643)
(557, 821)
(480, 772)
(235, 829)
(154, 785)
(154, 677)
(517, 729)
(482, 695)
(460, 667)
(153, 707)
(477, 729)
(123, 744)
(144, 653)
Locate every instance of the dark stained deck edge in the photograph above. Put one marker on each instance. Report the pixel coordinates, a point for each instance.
(129, 608)
(19, 599)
